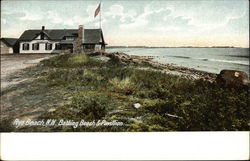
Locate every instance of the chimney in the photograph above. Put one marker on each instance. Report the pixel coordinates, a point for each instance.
(43, 27)
(81, 33)
(77, 45)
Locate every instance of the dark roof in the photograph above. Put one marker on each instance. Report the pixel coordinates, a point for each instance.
(90, 35)
(66, 41)
(10, 41)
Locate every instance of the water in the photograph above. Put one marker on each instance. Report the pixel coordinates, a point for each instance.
(205, 59)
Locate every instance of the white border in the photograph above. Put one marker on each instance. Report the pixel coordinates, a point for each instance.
(125, 146)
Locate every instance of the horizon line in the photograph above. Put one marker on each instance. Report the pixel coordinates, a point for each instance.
(176, 46)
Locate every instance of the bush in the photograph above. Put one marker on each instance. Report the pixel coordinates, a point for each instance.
(90, 108)
(77, 60)
(72, 60)
(123, 85)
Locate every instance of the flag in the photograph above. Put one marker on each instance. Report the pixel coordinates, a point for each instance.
(97, 10)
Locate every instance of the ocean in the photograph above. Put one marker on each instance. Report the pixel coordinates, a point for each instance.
(211, 60)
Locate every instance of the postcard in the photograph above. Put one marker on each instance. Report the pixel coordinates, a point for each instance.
(124, 66)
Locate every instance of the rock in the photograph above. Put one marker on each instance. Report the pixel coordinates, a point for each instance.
(175, 116)
(137, 105)
(51, 110)
(102, 58)
(232, 78)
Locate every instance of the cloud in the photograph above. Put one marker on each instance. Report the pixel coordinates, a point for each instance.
(6, 11)
(55, 18)
(3, 21)
(208, 15)
(117, 11)
(189, 17)
(138, 21)
(142, 20)
(31, 16)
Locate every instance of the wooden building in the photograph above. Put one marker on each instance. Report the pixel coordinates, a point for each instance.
(58, 40)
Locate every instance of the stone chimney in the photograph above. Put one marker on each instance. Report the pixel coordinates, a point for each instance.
(81, 33)
(77, 45)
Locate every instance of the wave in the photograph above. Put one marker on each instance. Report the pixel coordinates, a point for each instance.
(216, 60)
(203, 59)
(184, 57)
(228, 61)
(240, 56)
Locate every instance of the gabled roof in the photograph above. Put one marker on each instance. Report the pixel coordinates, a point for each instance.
(9, 41)
(90, 35)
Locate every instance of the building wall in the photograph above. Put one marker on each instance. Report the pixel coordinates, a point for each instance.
(41, 46)
(5, 49)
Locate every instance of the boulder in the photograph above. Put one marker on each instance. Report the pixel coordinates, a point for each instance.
(232, 78)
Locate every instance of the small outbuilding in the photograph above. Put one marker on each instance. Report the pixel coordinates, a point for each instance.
(9, 45)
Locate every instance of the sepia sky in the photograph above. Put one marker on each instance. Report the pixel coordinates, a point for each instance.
(142, 22)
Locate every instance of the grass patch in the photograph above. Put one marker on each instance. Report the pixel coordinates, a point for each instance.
(72, 61)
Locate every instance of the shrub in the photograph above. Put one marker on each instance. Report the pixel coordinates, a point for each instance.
(91, 105)
(91, 109)
(57, 61)
(124, 84)
(72, 60)
(79, 59)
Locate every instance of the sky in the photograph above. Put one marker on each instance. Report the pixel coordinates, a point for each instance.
(136, 23)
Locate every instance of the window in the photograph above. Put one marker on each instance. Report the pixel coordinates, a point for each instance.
(26, 46)
(48, 46)
(58, 46)
(35, 46)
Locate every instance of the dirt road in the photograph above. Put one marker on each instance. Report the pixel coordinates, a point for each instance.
(21, 97)
(12, 64)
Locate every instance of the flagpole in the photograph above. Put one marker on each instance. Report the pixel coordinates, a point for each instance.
(100, 14)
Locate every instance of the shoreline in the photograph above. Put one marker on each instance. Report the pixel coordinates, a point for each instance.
(189, 73)
(210, 60)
